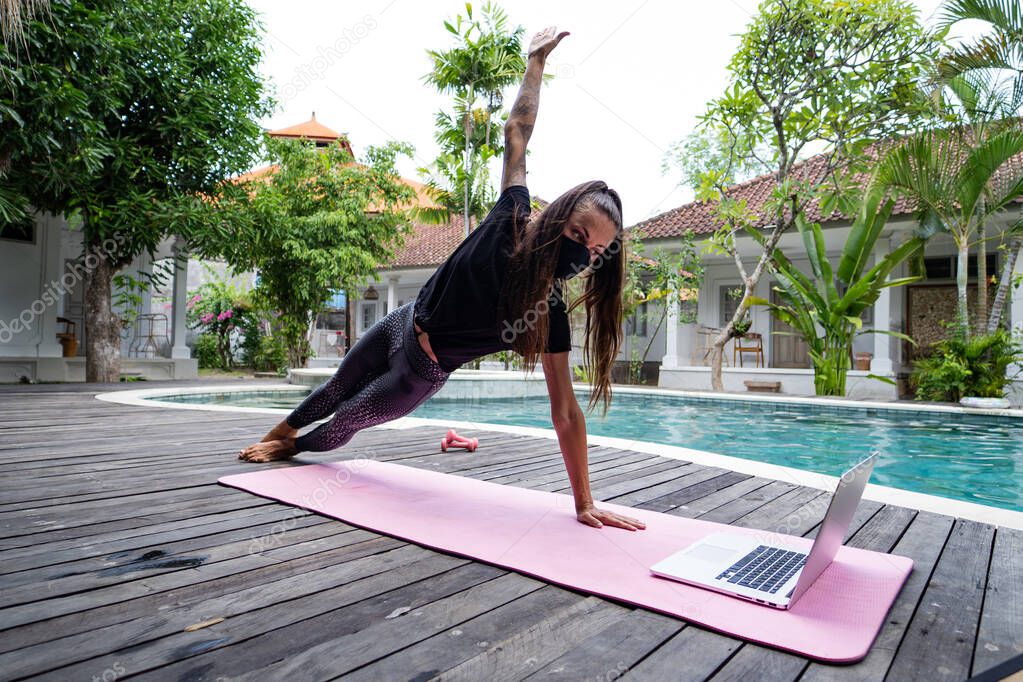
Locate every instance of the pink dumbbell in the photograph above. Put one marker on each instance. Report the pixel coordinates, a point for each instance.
(453, 440)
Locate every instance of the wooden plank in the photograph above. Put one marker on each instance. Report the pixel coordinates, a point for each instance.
(693, 654)
(134, 566)
(923, 542)
(941, 636)
(258, 609)
(279, 517)
(548, 615)
(1001, 623)
(345, 544)
(699, 484)
(246, 577)
(605, 655)
(164, 554)
(730, 493)
(361, 631)
(760, 663)
(740, 506)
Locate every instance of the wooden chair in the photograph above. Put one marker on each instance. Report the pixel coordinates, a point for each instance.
(750, 342)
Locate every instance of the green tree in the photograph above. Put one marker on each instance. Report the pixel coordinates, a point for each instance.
(486, 59)
(957, 183)
(987, 76)
(998, 54)
(831, 74)
(826, 306)
(448, 176)
(126, 119)
(319, 223)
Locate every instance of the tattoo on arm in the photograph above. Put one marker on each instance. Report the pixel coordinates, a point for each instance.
(519, 127)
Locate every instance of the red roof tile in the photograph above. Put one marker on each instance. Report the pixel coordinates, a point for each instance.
(698, 216)
(312, 129)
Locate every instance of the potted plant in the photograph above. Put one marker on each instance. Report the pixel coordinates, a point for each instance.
(742, 326)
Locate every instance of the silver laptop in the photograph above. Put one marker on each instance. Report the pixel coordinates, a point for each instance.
(769, 573)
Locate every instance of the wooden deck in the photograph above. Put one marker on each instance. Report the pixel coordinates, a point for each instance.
(121, 556)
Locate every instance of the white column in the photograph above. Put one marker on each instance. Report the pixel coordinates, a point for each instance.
(671, 359)
(179, 301)
(392, 292)
(1016, 300)
(48, 228)
(882, 361)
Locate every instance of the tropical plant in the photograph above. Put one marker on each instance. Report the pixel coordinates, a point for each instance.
(997, 52)
(957, 183)
(978, 366)
(826, 307)
(486, 58)
(834, 74)
(308, 230)
(991, 64)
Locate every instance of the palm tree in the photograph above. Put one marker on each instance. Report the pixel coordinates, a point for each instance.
(982, 107)
(999, 51)
(957, 183)
(487, 59)
(995, 61)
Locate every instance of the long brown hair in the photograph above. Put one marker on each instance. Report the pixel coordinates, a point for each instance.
(528, 288)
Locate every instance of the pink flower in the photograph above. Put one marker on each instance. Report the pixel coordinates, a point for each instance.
(224, 315)
(192, 301)
(207, 318)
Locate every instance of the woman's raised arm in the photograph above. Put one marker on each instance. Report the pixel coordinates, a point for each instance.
(520, 122)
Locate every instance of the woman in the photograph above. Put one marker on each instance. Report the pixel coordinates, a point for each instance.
(499, 290)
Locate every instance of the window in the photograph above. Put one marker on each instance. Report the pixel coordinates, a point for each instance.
(369, 314)
(24, 231)
(728, 302)
(945, 267)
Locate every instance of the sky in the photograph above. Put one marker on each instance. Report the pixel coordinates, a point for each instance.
(630, 81)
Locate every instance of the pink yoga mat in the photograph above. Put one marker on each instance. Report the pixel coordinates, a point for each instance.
(536, 533)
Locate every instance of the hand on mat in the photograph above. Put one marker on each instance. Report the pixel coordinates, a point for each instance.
(545, 41)
(597, 518)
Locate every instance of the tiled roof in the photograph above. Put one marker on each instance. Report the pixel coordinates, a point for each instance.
(312, 129)
(698, 217)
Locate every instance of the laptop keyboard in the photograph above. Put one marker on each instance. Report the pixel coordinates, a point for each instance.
(765, 568)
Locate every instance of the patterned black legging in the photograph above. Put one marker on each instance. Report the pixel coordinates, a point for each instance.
(384, 376)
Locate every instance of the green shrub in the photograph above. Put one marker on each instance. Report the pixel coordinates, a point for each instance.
(978, 366)
(271, 355)
(207, 351)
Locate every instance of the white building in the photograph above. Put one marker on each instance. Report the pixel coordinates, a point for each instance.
(919, 309)
(42, 279)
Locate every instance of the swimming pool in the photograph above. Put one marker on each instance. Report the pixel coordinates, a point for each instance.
(972, 458)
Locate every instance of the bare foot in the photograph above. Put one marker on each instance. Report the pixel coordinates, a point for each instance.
(269, 451)
(282, 430)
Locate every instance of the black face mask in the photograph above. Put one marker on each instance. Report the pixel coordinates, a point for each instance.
(573, 258)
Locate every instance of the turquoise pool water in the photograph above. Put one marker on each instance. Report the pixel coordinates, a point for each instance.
(973, 458)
